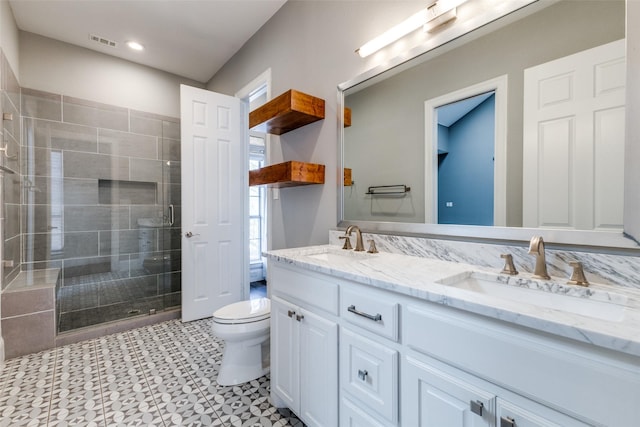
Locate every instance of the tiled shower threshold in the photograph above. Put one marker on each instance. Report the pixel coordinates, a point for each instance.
(99, 330)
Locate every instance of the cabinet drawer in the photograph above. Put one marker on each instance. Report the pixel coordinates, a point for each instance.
(305, 287)
(353, 416)
(370, 310)
(369, 372)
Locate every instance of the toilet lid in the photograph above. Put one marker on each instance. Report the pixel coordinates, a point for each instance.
(244, 311)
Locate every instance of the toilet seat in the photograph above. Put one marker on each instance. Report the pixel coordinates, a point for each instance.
(244, 312)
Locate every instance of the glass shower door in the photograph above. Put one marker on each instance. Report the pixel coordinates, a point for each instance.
(97, 184)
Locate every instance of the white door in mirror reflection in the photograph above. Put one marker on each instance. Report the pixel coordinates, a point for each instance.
(573, 141)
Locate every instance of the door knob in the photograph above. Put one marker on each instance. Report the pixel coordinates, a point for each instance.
(189, 234)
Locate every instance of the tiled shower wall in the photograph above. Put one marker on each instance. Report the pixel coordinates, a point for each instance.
(86, 173)
(10, 159)
(91, 172)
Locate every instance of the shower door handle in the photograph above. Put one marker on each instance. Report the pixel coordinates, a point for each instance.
(172, 216)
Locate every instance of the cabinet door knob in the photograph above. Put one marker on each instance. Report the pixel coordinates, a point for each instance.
(291, 313)
(507, 422)
(476, 407)
(362, 374)
(299, 317)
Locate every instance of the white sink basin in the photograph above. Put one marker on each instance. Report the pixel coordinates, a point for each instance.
(330, 254)
(544, 294)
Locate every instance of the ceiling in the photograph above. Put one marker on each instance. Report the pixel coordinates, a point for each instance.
(189, 38)
(451, 113)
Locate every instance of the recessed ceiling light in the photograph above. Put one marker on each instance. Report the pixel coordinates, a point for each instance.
(135, 45)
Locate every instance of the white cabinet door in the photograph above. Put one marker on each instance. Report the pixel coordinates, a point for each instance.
(531, 414)
(285, 366)
(318, 370)
(304, 363)
(431, 397)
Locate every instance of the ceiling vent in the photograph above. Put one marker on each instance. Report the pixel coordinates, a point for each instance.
(103, 41)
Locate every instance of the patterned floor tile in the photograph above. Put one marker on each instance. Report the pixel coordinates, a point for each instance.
(180, 400)
(77, 395)
(127, 397)
(5, 373)
(27, 395)
(159, 375)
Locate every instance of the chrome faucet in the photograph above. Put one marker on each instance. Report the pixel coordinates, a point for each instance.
(536, 247)
(359, 244)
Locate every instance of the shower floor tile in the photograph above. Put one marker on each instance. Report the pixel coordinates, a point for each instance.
(159, 375)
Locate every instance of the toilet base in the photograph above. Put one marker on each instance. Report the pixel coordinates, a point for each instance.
(244, 361)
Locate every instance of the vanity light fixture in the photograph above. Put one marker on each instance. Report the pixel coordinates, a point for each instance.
(441, 13)
(135, 45)
(437, 13)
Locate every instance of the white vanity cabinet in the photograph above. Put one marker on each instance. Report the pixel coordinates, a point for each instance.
(304, 347)
(526, 378)
(439, 395)
(404, 361)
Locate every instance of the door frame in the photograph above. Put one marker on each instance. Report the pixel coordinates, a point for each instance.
(499, 85)
(245, 93)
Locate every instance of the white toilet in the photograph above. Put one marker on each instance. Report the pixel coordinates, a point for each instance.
(244, 327)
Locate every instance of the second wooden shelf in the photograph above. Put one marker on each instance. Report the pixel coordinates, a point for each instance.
(288, 174)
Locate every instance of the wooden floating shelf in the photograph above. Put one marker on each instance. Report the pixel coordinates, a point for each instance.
(288, 174)
(348, 182)
(347, 117)
(287, 112)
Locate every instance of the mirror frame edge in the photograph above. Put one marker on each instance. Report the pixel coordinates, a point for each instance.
(616, 240)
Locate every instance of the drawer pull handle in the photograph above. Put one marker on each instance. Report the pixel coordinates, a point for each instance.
(291, 313)
(375, 318)
(507, 422)
(476, 407)
(362, 374)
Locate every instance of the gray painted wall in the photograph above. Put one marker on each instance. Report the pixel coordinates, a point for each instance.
(52, 66)
(309, 46)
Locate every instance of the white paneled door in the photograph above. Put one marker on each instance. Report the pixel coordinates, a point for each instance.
(214, 187)
(573, 141)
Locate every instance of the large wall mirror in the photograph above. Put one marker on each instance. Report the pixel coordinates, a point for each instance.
(510, 130)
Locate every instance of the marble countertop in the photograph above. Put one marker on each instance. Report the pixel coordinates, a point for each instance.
(429, 280)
